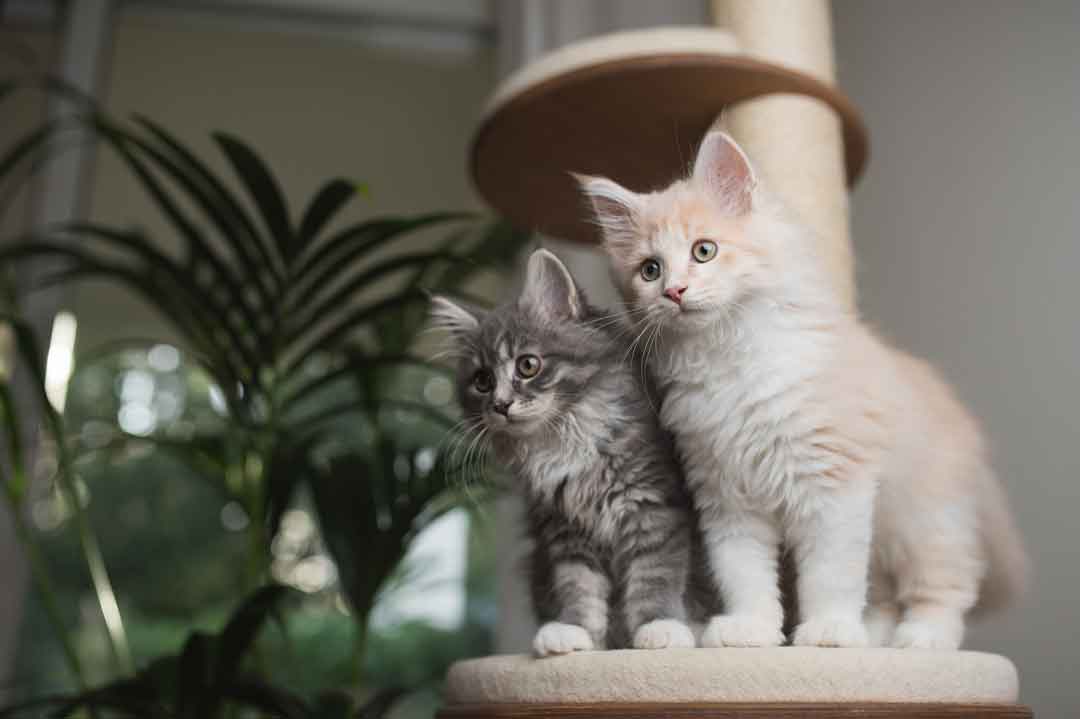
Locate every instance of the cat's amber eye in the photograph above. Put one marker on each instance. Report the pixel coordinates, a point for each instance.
(528, 366)
(650, 270)
(703, 250)
(483, 381)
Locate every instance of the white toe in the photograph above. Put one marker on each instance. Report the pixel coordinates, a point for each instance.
(741, 631)
(559, 638)
(914, 634)
(663, 634)
(831, 632)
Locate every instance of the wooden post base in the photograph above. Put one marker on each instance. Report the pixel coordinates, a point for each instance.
(738, 711)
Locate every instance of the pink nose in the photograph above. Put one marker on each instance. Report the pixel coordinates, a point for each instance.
(675, 294)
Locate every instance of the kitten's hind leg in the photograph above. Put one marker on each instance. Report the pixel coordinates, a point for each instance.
(939, 580)
(930, 626)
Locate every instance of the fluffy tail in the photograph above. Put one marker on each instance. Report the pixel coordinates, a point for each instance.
(1007, 563)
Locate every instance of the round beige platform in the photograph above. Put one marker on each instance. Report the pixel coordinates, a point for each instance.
(630, 105)
(787, 674)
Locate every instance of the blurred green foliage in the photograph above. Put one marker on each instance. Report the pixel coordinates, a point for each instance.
(294, 394)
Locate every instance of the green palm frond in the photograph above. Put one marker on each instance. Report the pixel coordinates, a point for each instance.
(306, 324)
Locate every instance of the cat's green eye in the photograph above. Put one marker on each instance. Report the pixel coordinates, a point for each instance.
(650, 270)
(483, 381)
(703, 250)
(528, 366)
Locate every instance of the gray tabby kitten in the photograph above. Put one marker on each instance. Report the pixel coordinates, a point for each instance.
(544, 379)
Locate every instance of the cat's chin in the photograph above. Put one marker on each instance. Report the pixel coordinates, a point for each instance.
(516, 428)
(689, 319)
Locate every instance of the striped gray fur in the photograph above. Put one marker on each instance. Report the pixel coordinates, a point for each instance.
(610, 519)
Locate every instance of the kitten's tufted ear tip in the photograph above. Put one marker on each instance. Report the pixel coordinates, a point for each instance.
(448, 315)
(543, 255)
(581, 178)
(593, 184)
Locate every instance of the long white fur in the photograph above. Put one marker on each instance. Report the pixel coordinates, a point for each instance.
(797, 426)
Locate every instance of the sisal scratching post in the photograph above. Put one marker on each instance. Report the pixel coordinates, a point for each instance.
(633, 106)
(795, 141)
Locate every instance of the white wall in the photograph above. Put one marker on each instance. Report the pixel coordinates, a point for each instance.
(967, 234)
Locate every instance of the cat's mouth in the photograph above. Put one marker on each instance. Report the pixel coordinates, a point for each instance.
(508, 420)
(514, 425)
(684, 310)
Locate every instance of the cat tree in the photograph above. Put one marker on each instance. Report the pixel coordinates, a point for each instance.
(633, 106)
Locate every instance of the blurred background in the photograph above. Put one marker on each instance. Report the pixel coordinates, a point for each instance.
(966, 233)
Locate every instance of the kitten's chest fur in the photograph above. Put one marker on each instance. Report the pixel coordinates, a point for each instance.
(592, 475)
(594, 494)
(742, 410)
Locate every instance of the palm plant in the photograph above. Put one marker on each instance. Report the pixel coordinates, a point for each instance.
(306, 329)
(15, 477)
(207, 677)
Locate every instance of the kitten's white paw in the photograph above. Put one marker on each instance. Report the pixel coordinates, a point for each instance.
(559, 638)
(741, 630)
(831, 632)
(664, 634)
(914, 634)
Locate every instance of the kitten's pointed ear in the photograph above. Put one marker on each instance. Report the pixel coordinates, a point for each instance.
(615, 208)
(452, 317)
(723, 168)
(549, 289)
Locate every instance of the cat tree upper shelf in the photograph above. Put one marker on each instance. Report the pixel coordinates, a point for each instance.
(631, 106)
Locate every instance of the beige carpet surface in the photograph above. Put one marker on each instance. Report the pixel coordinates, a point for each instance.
(791, 674)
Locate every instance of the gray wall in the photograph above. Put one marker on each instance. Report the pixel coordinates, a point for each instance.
(967, 234)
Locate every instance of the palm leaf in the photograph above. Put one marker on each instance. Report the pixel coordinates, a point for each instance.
(327, 203)
(368, 513)
(197, 193)
(239, 634)
(192, 676)
(291, 466)
(364, 545)
(198, 248)
(351, 244)
(26, 146)
(239, 337)
(176, 307)
(264, 190)
(343, 292)
(361, 364)
(224, 209)
(327, 338)
(17, 484)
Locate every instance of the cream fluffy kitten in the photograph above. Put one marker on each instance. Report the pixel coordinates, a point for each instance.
(797, 426)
